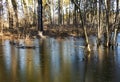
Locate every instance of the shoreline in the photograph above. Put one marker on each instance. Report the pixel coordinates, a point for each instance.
(62, 31)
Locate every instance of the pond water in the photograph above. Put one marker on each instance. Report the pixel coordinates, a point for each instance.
(56, 60)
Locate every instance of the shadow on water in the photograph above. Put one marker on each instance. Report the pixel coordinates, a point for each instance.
(58, 60)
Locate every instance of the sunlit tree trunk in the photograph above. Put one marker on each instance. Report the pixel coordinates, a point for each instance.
(68, 16)
(32, 12)
(116, 23)
(59, 12)
(52, 11)
(25, 11)
(69, 12)
(107, 4)
(35, 14)
(10, 14)
(62, 12)
(99, 23)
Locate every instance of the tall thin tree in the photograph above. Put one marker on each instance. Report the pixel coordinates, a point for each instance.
(40, 22)
(14, 4)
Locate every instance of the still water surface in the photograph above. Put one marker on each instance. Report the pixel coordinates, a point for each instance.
(56, 60)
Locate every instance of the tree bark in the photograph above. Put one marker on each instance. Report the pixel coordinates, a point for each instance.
(40, 22)
(14, 3)
(99, 23)
(10, 15)
(107, 23)
(59, 13)
(83, 22)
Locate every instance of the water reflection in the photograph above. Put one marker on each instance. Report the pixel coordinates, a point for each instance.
(58, 60)
(7, 55)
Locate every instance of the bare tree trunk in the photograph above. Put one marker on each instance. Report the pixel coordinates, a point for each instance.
(62, 13)
(107, 23)
(59, 13)
(1, 12)
(10, 14)
(86, 38)
(63, 18)
(35, 14)
(116, 23)
(69, 13)
(25, 11)
(74, 15)
(51, 10)
(117, 9)
(83, 22)
(53, 13)
(14, 3)
(115, 35)
(40, 22)
(99, 23)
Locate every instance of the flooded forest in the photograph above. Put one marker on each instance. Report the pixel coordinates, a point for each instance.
(59, 40)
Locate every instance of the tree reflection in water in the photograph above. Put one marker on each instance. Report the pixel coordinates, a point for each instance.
(59, 61)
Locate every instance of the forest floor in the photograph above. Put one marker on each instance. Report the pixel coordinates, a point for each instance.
(67, 30)
(51, 31)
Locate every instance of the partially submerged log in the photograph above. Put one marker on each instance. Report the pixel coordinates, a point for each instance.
(26, 47)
